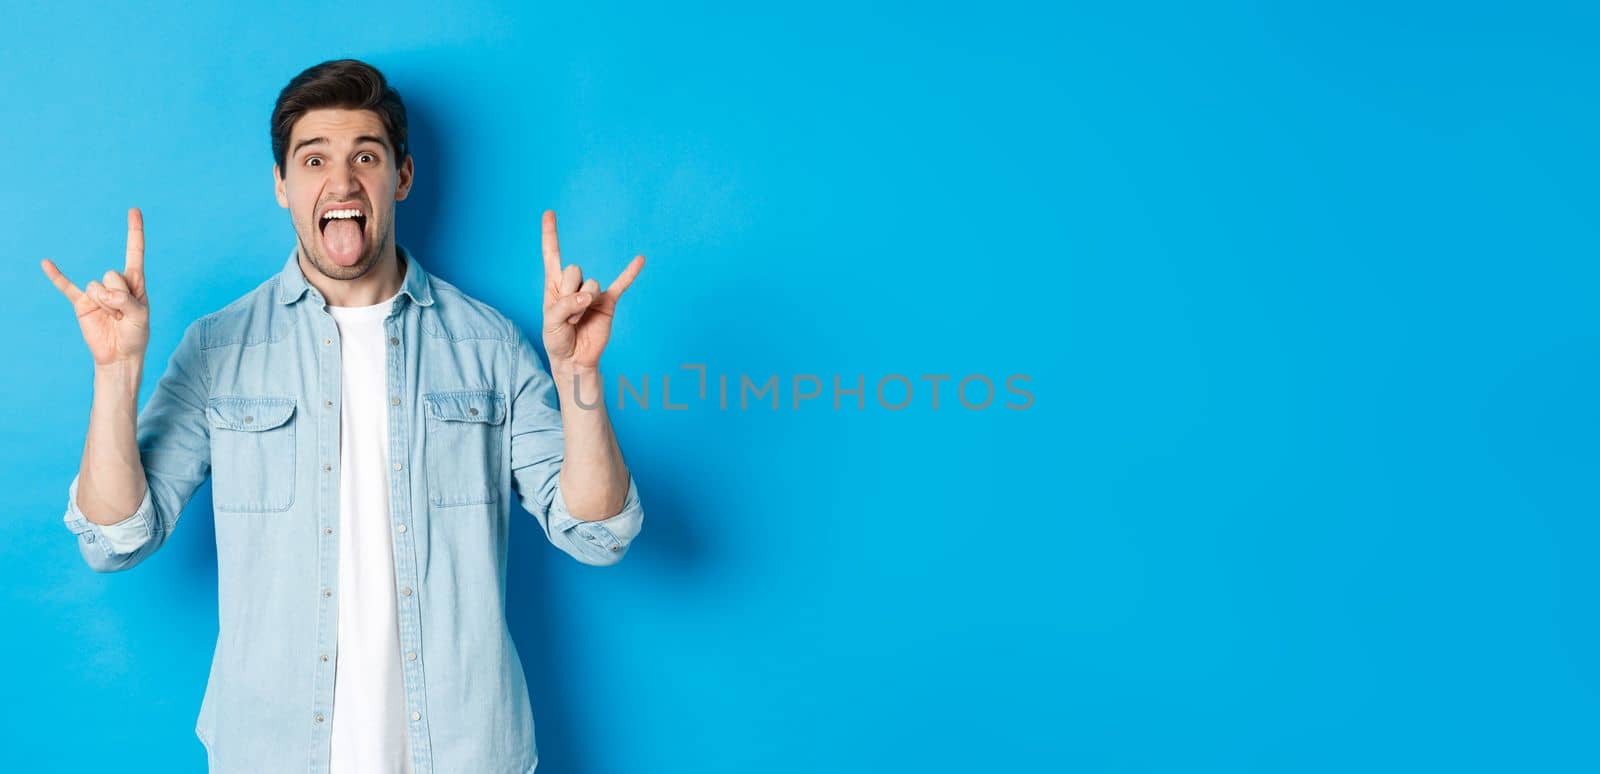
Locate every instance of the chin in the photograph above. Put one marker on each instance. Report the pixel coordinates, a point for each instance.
(328, 268)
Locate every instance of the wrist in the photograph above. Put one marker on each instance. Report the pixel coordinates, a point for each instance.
(569, 370)
(120, 377)
(576, 380)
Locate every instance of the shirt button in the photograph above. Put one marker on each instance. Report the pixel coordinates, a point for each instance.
(327, 403)
(412, 656)
(400, 527)
(326, 342)
(416, 716)
(406, 591)
(327, 530)
(326, 467)
(394, 341)
(319, 717)
(327, 593)
(472, 411)
(324, 657)
(394, 401)
(248, 420)
(397, 466)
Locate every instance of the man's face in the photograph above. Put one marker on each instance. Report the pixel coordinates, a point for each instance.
(340, 163)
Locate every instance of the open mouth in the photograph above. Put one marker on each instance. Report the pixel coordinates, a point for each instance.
(344, 233)
(336, 214)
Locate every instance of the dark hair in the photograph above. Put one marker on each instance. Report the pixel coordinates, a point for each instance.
(350, 84)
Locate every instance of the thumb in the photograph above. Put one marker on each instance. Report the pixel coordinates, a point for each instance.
(569, 305)
(114, 298)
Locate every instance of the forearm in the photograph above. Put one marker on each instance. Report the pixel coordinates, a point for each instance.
(110, 477)
(594, 480)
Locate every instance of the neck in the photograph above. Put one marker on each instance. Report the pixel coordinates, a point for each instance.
(373, 287)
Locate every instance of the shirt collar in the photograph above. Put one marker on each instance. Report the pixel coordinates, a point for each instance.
(292, 280)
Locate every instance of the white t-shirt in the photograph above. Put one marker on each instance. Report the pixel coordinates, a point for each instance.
(369, 722)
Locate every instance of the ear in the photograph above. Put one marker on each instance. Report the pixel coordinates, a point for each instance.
(278, 187)
(407, 171)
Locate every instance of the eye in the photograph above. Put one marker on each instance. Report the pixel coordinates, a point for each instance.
(314, 161)
(367, 158)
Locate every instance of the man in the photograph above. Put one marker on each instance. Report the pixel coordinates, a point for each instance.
(362, 421)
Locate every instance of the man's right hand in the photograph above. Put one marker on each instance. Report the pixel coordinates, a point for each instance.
(113, 312)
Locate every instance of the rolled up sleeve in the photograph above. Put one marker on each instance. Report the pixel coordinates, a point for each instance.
(603, 541)
(537, 453)
(173, 438)
(111, 547)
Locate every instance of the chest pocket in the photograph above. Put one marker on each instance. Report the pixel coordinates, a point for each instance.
(252, 452)
(464, 429)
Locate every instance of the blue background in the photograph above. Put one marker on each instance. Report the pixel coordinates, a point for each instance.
(1307, 298)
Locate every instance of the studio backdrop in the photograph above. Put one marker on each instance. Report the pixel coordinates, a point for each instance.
(1154, 387)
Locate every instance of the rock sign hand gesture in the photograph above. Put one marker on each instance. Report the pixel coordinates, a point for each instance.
(577, 316)
(113, 311)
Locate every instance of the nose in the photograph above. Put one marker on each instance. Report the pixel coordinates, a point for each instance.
(342, 179)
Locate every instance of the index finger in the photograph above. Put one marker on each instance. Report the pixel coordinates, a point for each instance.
(135, 259)
(552, 249)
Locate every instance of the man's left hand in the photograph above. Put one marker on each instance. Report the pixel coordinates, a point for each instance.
(577, 315)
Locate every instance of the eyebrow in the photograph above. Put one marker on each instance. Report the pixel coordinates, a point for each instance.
(314, 140)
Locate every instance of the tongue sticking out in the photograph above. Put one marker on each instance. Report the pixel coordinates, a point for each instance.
(344, 240)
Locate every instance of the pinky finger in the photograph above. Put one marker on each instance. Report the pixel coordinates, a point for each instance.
(60, 280)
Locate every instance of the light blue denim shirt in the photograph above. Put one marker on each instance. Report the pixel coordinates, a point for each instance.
(252, 395)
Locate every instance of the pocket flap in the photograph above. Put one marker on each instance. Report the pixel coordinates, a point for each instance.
(466, 406)
(251, 413)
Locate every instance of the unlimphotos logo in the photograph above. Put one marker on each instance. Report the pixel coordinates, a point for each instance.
(894, 392)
